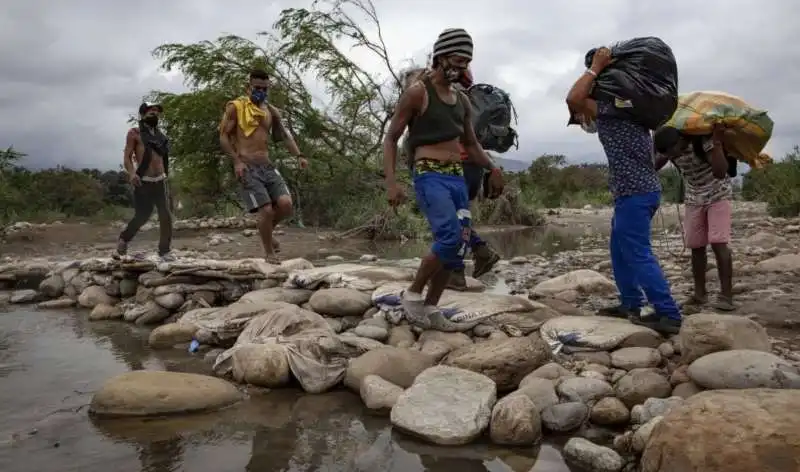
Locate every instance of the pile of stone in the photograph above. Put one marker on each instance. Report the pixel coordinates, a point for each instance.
(515, 370)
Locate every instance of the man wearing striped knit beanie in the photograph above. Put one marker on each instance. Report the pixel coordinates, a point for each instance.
(439, 121)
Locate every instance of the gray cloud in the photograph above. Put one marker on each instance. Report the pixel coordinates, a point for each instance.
(73, 72)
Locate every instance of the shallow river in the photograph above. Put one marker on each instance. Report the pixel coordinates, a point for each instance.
(50, 362)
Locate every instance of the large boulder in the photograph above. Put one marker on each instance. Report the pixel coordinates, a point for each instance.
(705, 333)
(155, 393)
(727, 430)
(446, 406)
(506, 361)
(340, 302)
(743, 369)
(397, 365)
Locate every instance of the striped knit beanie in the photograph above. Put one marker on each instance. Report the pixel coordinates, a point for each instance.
(453, 42)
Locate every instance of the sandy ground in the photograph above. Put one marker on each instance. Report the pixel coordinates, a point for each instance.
(84, 240)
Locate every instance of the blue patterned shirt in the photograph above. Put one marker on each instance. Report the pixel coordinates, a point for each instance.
(629, 149)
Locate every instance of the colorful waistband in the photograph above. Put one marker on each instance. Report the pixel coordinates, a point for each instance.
(423, 166)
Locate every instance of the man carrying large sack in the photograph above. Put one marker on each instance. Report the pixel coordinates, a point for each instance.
(704, 167)
(636, 189)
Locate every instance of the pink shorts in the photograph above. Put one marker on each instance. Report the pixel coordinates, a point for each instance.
(708, 224)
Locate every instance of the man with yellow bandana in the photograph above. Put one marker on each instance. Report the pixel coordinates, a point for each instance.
(244, 134)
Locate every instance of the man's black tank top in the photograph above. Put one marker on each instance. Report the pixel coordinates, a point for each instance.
(441, 122)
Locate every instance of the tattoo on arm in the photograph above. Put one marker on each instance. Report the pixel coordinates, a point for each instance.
(281, 132)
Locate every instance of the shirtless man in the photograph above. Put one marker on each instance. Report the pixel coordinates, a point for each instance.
(146, 160)
(439, 119)
(244, 134)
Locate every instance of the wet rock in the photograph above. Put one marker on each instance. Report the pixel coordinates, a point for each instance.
(642, 435)
(397, 365)
(95, 295)
(53, 286)
(565, 417)
(515, 421)
(446, 406)
(23, 296)
(57, 304)
(378, 394)
(262, 365)
(154, 393)
(506, 361)
(629, 358)
(704, 333)
(170, 334)
(581, 280)
(147, 314)
(640, 384)
(698, 436)
(368, 258)
(105, 312)
(401, 336)
(609, 411)
(590, 456)
(340, 302)
(743, 369)
(584, 390)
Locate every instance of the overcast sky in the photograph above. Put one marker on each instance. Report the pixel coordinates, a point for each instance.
(73, 71)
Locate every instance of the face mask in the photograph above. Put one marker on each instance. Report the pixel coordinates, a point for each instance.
(151, 120)
(452, 74)
(258, 96)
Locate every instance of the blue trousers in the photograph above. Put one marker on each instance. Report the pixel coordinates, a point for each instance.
(444, 201)
(635, 267)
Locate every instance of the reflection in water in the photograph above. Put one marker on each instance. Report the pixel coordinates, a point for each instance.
(61, 357)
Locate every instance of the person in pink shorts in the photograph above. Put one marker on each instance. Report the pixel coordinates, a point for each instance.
(706, 173)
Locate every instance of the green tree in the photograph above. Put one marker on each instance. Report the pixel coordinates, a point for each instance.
(342, 139)
(777, 184)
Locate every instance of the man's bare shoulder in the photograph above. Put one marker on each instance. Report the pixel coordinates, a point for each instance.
(133, 133)
(413, 95)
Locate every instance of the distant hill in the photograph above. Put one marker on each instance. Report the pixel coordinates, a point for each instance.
(511, 165)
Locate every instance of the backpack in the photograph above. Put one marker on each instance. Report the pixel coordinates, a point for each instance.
(492, 113)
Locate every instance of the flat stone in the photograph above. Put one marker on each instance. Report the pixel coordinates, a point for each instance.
(154, 393)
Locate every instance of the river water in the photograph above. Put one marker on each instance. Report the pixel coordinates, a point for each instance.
(51, 362)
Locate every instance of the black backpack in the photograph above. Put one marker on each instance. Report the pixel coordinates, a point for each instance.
(492, 112)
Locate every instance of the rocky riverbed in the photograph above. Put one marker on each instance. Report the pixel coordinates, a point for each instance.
(509, 368)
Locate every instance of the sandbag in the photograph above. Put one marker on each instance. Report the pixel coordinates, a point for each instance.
(641, 82)
(316, 357)
(588, 333)
(357, 276)
(748, 128)
(514, 315)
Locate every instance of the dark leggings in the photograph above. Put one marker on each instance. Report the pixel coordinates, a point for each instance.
(145, 197)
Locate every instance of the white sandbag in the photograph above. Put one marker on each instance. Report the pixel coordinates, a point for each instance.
(217, 325)
(359, 277)
(508, 312)
(588, 333)
(317, 359)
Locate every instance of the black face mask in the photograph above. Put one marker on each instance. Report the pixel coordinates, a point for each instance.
(151, 120)
(452, 73)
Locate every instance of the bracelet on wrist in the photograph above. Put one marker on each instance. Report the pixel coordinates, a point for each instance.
(592, 73)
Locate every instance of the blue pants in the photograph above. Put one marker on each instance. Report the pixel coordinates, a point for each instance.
(444, 202)
(635, 267)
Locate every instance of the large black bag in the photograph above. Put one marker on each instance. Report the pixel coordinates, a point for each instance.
(492, 113)
(641, 82)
